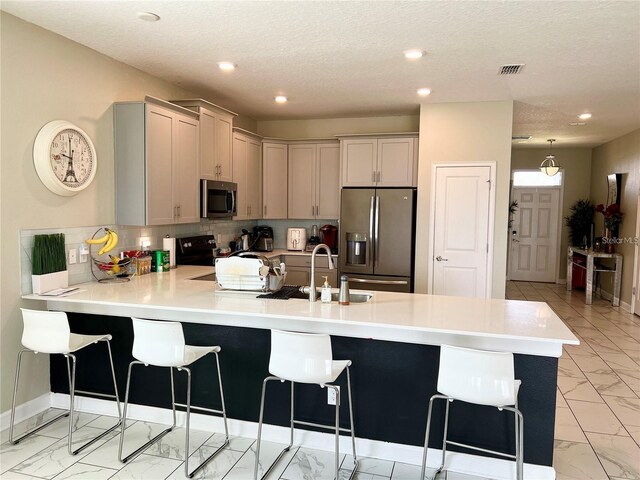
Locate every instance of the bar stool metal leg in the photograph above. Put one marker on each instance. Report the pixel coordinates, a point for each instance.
(13, 405)
(353, 435)
(70, 359)
(260, 421)
(519, 456)
(337, 447)
(426, 436)
(71, 369)
(188, 413)
(224, 408)
(444, 437)
(141, 449)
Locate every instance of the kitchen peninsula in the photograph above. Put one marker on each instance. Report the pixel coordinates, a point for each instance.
(392, 340)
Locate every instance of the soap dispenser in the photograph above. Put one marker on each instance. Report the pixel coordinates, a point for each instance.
(325, 296)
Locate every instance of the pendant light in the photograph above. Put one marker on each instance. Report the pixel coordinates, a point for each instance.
(548, 165)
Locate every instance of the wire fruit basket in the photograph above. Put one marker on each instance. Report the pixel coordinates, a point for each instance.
(116, 270)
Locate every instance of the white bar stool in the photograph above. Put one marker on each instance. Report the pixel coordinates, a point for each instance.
(48, 332)
(306, 358)
(162, 344)
(483, 378)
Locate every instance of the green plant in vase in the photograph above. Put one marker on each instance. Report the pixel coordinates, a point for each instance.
(49, 263)
(579, 222)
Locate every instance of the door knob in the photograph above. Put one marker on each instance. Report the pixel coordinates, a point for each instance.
(440, 259)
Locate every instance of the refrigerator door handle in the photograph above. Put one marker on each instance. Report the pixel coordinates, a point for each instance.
(370, 242)
(380, 282)
(377, 231)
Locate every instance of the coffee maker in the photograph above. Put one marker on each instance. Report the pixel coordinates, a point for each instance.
(329, 236)
(263, 236)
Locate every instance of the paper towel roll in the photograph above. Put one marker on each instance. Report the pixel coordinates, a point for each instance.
(169, 243)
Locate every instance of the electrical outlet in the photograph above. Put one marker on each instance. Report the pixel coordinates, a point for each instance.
(73, 256)
(331, 396)
(84, 253)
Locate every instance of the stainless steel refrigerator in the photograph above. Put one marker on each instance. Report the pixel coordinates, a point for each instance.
(377, 232)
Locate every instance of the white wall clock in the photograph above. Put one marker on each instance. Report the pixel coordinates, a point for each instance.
(64, 157)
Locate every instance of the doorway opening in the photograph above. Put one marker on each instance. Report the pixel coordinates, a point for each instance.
(535, 226)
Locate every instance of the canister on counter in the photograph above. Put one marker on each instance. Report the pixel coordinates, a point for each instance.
(160, 261)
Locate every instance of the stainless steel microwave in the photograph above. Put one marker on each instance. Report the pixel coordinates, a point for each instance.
(217, 199)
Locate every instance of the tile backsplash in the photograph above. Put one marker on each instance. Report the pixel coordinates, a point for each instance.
(131, 238)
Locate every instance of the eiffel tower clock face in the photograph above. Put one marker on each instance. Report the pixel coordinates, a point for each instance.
(64, 157)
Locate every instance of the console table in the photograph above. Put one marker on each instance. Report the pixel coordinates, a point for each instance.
(592, 267)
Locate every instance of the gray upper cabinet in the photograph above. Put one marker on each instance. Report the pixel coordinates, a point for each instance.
(156, 162)
(247, 173)
(314, 180)
(274, 180)
(379, 162)
(216, 125)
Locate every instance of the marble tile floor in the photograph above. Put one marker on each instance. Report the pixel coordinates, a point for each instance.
(597, 433)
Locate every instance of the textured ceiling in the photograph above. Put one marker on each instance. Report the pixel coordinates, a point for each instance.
(344, 59)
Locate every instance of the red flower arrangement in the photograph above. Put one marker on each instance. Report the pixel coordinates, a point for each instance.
(612, 215)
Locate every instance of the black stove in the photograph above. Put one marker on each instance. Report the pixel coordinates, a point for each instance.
(196, 250)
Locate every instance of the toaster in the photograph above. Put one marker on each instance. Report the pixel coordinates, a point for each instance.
(296, 239)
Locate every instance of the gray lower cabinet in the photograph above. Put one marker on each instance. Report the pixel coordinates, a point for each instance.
(299, 270)
(156, 163)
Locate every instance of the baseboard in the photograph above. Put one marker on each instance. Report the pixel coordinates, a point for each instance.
(26, 410)
(561, 281)
(458, 462)
(608, 296)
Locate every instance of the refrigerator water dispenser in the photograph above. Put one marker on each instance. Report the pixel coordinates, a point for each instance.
(356, 248)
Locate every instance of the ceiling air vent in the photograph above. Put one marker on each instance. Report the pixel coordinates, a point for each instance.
(516, 138)
(511, 69)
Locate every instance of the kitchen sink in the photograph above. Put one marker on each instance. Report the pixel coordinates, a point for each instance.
(354, 297)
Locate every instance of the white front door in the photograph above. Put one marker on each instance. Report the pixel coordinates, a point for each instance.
(461, 231)
(534, 245)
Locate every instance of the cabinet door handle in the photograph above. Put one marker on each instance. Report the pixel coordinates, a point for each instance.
(179, 211)
(265, 210)
(373, 177)
(378, 179)
(440, 259)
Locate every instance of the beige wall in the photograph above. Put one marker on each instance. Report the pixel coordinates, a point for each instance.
(45, 77)
(576, 167)
(328, 127)
(465, 132)
(621, 155)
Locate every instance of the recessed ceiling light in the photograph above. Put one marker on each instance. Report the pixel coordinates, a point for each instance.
(584, 116)
(414, 54)
(423, 92)
(148, 16)
(280, 99)
(226, 66)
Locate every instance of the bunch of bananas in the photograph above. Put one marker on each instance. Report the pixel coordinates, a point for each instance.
(109, 241)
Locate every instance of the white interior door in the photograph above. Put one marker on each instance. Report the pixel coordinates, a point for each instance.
(461, 231)
(534, 245)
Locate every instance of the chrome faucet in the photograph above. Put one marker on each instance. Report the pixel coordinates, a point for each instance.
(312, 285)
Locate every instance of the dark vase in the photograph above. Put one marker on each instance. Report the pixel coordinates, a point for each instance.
(609, 245)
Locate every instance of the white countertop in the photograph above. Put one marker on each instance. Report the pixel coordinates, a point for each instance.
(503, 325)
